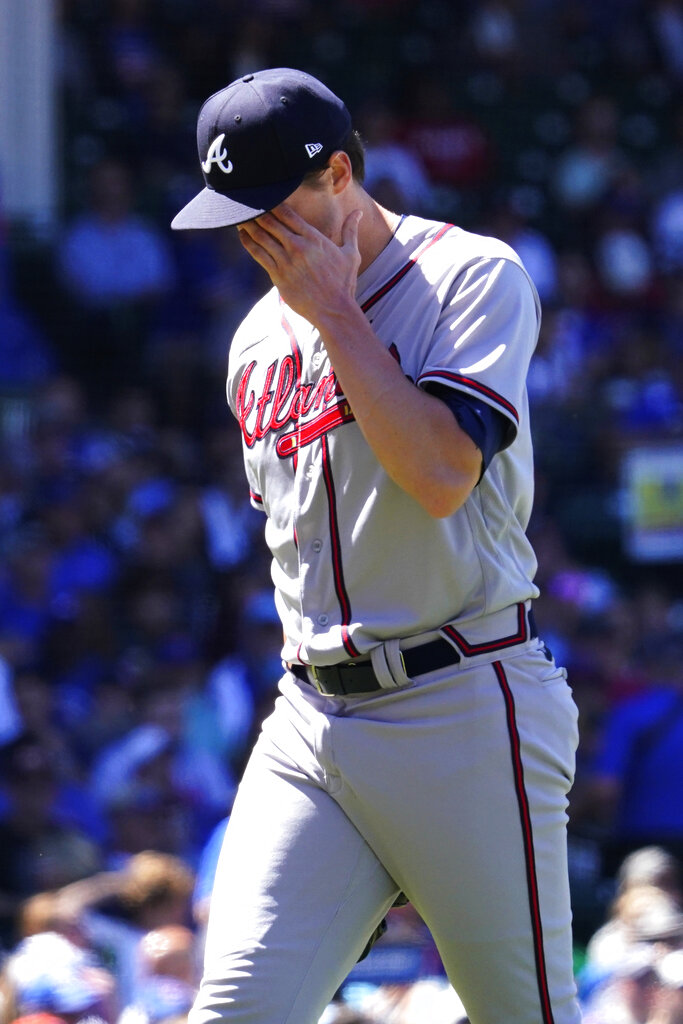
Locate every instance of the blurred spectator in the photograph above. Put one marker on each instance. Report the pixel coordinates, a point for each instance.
(115, 910)
(667, 22)
(205, 875)
(25, 598)
(651, 865)
(668, 1006)
(453, 147)
(394, 174)
(638, 771)
(341, 1013)
(511, 220)
(48, 912)
(82, 562)
(116, 267)
(628, 994)
(495, 33)
(426, 1000)
(168, 976)
(667, 231)
(179, 792)
(26, 354)
(219, 717)
(48, 974)
(109, 255)
(160, 146)
(36, 705)
(169, 952)
(131, 51)
(40, 848)
(667, 164)
(641, 914)
(11, 722)
(591, 165)
(624, 261)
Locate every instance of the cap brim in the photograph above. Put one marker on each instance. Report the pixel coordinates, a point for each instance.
(211, 209)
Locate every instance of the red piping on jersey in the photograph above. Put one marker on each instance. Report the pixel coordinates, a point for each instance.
(296, 355)
(528, 840)
(388, 285)
(296, 440)
(475, 385)
(337, 568)
(469, 650)
(255, 497)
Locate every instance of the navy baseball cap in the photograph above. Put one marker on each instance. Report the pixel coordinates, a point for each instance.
(257, 139)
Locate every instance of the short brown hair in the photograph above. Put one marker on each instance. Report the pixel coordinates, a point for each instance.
(352, 145)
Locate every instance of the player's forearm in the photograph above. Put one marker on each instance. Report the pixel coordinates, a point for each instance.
(414, 435)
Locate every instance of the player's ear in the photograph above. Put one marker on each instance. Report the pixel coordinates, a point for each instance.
(342, 174)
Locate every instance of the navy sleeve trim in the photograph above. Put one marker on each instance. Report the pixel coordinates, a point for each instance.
(490, 430)
(461, 382)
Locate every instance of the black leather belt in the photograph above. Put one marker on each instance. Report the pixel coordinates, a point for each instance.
(354, 677)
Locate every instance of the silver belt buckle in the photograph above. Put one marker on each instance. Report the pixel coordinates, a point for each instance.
(316, 681)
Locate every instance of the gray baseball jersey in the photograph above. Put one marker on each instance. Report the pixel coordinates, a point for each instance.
(355, 559)
(450, 782)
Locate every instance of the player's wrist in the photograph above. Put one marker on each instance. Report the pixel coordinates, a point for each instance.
(342, 314)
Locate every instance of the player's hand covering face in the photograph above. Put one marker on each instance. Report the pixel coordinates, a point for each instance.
(312, 273)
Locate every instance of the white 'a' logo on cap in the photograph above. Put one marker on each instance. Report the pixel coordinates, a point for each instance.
(313, 147)
(217, 154)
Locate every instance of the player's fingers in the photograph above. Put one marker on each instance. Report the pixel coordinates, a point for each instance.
(289, 232)
(350, 230)
(256, 251)
(258, 230)
(291, 219)
(266, 239)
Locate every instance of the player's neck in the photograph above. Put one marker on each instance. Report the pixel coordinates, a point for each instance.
(375, 230)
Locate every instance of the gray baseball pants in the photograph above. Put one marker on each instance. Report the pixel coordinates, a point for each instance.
(453, 790)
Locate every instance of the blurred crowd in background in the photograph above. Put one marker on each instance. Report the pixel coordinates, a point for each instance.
(139, 647)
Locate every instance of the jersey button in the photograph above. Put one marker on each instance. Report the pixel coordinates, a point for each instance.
(323, 620)
(317, 546)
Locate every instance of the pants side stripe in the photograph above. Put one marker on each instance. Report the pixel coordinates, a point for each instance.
(528, 839)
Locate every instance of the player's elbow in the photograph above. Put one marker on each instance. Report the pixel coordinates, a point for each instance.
(443, 496)
(441, 506)
(451, 470)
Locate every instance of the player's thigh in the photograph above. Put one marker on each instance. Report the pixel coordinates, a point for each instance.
(461, 788)
(501, 914)
(297, 893)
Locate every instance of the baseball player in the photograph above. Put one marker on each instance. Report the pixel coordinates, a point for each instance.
(423, 739)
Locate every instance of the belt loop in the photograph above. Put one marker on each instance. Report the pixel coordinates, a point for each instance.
(396, 662)
(382, 658)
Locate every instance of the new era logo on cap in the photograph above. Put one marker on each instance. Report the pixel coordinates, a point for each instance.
(252, 139)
